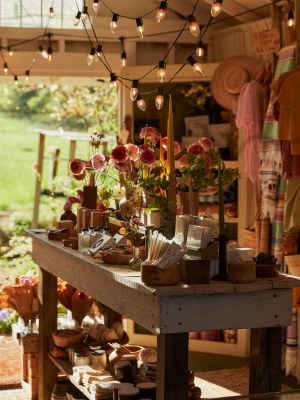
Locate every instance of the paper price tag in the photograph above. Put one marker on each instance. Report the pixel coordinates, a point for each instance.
(104, 241)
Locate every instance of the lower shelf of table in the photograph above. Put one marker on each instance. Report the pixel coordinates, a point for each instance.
(65, 367)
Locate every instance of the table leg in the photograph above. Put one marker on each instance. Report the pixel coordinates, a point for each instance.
(39, 173)
(172, 366)
(265, 360)
(47, 324)
(111, 316)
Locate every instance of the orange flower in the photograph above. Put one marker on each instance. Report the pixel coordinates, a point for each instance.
(17, 280)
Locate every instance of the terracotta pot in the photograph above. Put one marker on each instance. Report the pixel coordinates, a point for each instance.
(116, 355)
(184, 202)
(68, 215)
(89, 197)
(131, 199)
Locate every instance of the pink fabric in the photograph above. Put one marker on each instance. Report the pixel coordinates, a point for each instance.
(251, 114)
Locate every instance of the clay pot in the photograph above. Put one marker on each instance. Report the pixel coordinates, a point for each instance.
(68, 215)
(67, 337)
(183, 202)
(89, 197)
(116, 355)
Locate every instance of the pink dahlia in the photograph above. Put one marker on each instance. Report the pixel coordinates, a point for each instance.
(119, 154)
(120, 166)
(77, 166)
(80, 177)
(178, 147)
(98, 162)
(147, 157)
(165, 142)
(196, 149)
(182, 162)
(133, 176)
(206, 143)
(143, 147)
(133, 151)
(152, 135)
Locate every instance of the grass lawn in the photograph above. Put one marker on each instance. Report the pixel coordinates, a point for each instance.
(18, 152)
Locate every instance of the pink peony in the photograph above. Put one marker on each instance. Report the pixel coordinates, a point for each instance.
(152, 135)
(182, 162)
(27, 279)
(98, 162)
(165, 142)
(120, 166)
(133, 151)
(80, 177)
(206, 143)
(178, 147)
(196, 149)
(77, 166)
(147, 157)
(81, 296)
(119, 154)
(101, 207)
(143, 147)
(80, 195)
(133, 176)
(68, 206)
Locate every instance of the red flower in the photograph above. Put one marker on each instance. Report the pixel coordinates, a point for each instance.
(157, 191)
(17, 280)
(119, 154)
(81, 296)
(67, 206)
(206, 143)
(106, 158)
(147, 157)
(178, 147)
(182, 162)
(80, 177)
(195, 149)
(165, 142)
(77, 166)
(152, 135)
(208, 161)
(80, 195)
(101, 207)
(7, 278)
(143, 147)
(121, 166)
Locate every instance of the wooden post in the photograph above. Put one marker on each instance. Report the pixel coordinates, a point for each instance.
(297, 25)
(34, 224)
(72, 150)
(172, 366)
(276, 23)
(111, 317)
(47, 324)
(265, 360)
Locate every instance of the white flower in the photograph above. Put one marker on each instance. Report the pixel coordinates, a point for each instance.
(118, 192)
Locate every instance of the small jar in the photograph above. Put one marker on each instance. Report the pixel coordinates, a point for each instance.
(91, 349)
(127, 393)
(81, 359)
(133, 362)
(117, 387)
(80, 349)
(123, 372)
(99, 357)
(95, 236)
(147, 390)
(84, 241)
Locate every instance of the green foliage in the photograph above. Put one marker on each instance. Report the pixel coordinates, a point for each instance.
(19, 221)
(195, 95)
(161, 203)
(7, 322)
(20, 254)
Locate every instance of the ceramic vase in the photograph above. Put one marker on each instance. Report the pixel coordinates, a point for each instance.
(131, 199)
(89, 197)
(68, 215)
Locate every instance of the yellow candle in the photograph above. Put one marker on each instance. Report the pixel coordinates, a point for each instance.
(145, 166)
(170, 148)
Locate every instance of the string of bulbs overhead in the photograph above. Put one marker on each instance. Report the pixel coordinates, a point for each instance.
(98, 53)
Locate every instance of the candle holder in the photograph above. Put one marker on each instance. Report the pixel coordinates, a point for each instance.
(222, 275)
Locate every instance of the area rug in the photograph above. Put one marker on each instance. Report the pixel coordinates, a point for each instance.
(10, 370)
(13, 394)
(226, 382)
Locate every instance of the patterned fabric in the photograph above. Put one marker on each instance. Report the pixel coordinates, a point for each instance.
(229, 194)
(291, 359)
(270, 164)
(277, 225)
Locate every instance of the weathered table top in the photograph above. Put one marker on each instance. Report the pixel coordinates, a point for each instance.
(169, 309)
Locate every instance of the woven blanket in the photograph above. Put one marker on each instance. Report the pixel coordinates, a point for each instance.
(270, 163)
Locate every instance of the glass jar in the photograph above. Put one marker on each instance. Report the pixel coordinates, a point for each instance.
(96, 235)
(75, 350)
(84, 241)
(91, 349)
(123, 372)
(147, 390)
(81, 359)
(117, 387)
(91, 230)
(99, 357)
(127, 393)
(133, 362)
(135, 263)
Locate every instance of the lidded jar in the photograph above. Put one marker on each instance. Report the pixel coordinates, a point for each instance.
(84, 241)
(123, 372)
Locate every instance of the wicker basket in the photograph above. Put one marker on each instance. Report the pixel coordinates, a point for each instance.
(249, 238)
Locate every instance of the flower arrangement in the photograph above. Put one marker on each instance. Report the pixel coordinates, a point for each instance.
(130, 229)
(72, 199)
(105, 195)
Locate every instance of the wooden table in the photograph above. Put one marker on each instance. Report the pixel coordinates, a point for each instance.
(170, 312)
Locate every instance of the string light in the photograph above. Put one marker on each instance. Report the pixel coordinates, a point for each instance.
(84, 13)
(123, 59)
(216, 8)
(291, 21)
(114, 23)
(10, 52)
(141, 103)
(77, 19)
(134, 90)
(43, 52)
(159, 101)
(200, 50)
(99, 51)
(161, 73)
(16, 80)
(5, 69)
(96, 6)
(161, 12)
(49, 53)
(91, 56)
(140, 28)
(51, 12)
(27, 76)
(113, 84)
(194, 27)
(197, 67)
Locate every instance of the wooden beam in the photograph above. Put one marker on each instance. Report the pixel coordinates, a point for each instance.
(297, 24)
(232, 8)
(276, 23)
(111, 317)
(34, 224)
(47, 324)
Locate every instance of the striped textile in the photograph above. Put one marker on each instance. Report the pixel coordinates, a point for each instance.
(277, 225)
(270, 163)
(291, 358)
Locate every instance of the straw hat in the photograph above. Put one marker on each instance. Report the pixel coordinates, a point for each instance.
(229, 78)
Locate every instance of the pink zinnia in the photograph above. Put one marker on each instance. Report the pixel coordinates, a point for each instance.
(121, 166)
(77, 166)
(133, 176)
(178, 147)
(98, 162)
(206, 143)
(80, 177)
(164, 142)
(147, 157)
(133, 151)
(196, 149)
(152, 134)
(119, 154)
(182, 162)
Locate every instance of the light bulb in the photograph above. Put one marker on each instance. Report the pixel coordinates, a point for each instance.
(134, 90)
(99, 51)
(197, 67)
(140, 27)
(216, 9)
(96, 6)
(161, 12)
(84, 13)
(91, 56)
(113, 84)
(194, 27)
(49, 53)
(290, 21)
(51, 12)
(200, 50)
(114, 23)
(5, 69)
(16, 80)
(77, 18)
(123, 59)
(141, 103)
(27, 76)
(161, 73)
(10, 52)
(159, 101)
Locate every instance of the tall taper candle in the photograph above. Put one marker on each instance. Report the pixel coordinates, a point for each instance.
(170, 148)
(145, 172)
(221, 200)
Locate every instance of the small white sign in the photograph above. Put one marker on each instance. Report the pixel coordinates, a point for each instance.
(104, 241)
